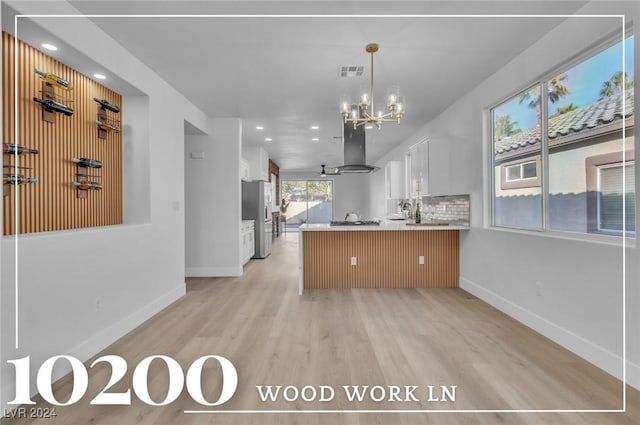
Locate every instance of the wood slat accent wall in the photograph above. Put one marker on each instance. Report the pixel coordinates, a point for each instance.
(52, 204)
(275, 169)
(386, 259)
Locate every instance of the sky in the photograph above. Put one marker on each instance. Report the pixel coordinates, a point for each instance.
(583, 80)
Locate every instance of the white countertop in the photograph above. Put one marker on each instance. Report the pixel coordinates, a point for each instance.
(384, 225)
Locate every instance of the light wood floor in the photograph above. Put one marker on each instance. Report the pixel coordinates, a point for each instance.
(348, 337)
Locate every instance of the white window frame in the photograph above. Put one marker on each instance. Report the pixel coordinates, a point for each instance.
(607, 238)
(520, 168)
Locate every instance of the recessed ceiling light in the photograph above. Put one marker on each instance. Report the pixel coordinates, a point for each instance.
(268, 139)
(259, 127)
(315, 139)
(100, 76)
(49, 47)
(314, 127)
(368, 127)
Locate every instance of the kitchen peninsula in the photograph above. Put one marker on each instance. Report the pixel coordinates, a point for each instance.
(388, 255)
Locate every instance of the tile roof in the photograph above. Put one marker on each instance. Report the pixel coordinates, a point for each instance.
(599, 113)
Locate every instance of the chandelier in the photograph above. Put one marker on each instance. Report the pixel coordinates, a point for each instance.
(364, 112)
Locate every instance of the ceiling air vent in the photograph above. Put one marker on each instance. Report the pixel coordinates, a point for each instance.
(351, 71)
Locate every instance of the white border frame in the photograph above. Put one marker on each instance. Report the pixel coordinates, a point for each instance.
(250, 16)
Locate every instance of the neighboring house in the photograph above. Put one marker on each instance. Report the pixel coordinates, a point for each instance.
(585, 170)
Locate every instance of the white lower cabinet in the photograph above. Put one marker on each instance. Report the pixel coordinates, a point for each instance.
(248, 240)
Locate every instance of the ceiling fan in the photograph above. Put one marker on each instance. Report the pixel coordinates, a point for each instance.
(328, 171)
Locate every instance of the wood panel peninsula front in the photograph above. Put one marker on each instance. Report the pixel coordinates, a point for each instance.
(385, 256)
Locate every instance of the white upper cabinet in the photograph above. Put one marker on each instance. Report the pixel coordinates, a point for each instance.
(417, 173)
(258, 160)
(440, 174)
(245, 174)
(427, 166)
(394, 180)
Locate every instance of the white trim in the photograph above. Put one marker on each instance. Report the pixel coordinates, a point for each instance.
(104, 338)
(598, 238)
(117, 330)
(598, 356)
(213, 271)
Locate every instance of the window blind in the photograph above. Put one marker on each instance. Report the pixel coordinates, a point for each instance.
(612, 195)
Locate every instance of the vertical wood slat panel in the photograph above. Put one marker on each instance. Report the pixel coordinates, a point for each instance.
(52, 204)
(385, 259)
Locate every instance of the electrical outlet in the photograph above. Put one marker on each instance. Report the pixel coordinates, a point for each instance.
(539, 289)
(354, 261)
(421, 260)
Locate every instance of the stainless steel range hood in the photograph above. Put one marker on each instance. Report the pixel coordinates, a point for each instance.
(354, 151)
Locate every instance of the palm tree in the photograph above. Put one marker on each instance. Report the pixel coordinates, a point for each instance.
(614, 85)
(567, 108)
(555, 91)
(556, 88)
(608, 89)
(504, 127)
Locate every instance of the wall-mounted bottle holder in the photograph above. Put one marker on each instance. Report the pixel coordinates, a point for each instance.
(105, 119)
(86, 173)
(12, 170)
(50, 101)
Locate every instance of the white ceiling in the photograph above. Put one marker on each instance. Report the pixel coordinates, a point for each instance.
(282, 72)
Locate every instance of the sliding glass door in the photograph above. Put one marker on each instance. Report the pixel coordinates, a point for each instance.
(308, 201)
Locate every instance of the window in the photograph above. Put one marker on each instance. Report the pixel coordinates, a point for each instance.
(517, 202)
(306, 201)
(572, 124)
(520, 174)
(612, 199)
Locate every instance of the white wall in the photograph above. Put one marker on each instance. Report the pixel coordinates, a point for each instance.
(81, 290)
(581, 304)
(350, 191)
(213, 200)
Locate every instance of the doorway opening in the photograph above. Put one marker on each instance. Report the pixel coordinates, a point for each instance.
(307, 201)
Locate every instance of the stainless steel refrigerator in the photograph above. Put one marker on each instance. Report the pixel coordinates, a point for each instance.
(256, 205)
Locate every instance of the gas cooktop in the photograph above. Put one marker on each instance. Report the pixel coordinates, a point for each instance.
(356, 223)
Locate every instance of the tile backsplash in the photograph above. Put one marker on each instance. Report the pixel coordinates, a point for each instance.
(455, 209)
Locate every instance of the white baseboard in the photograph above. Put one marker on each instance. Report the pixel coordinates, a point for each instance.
(213, 271)
(108, 336)
(598, 356)
(101, 340)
